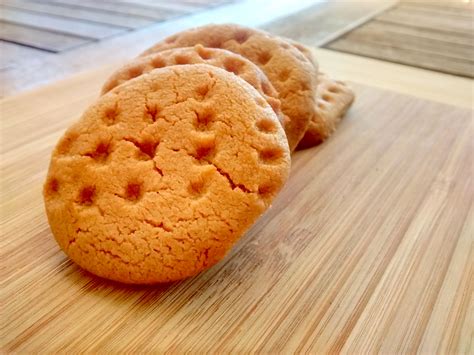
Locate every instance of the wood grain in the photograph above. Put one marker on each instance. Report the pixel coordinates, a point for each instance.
(367, 249)
(322, 22)
(419, 34)
(444, 49)
(407, 16)
(11, 52)
(147, 12)
(55, 24)
(424, 59)
(457, 7)
(114, 19)
(160, 4)
(37, 38)
(430, 38)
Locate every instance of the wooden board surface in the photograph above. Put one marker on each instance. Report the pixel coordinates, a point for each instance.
(432, 35)
(367, 249)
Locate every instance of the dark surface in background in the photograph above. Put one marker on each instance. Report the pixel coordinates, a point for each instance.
(430, 35)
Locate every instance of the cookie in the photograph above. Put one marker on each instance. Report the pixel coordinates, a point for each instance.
(333, 100)
(304, 50)
(220, 58)
(290, 72)
(163, 174)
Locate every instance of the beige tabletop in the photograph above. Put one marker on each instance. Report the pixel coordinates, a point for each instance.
(367, 249)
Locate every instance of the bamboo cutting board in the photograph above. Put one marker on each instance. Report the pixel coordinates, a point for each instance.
(367, 249)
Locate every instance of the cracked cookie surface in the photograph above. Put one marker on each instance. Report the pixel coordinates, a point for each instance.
(198, 54)
(289, 71)
(163, 174)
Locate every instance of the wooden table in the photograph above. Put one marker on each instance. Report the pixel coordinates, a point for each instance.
(434, 35)
(367, 249)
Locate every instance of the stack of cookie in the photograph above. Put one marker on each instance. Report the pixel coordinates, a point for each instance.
(186, 147)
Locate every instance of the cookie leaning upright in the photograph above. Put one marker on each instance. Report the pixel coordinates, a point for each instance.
(333, 99)
(163, 174)
(220, 58)
(290, 72)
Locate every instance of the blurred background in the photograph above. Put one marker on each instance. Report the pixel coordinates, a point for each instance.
(46, 40)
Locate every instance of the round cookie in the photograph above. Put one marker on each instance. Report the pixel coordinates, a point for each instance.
(290, 72)
(217, 57)
(163, 174)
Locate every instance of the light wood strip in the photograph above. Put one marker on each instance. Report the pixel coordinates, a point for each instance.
(450, 324)
(62, 26)
(396, 315)
(366, 275)
(126, 21)
(37, 38)
(401, 78)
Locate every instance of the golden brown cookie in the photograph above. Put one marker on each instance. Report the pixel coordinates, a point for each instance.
(163, 174)
(304, 51)
(290, 72)
(333, 100)
(217, 57)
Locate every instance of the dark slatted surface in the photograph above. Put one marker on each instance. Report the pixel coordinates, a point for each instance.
(59, 25)
(432, 35)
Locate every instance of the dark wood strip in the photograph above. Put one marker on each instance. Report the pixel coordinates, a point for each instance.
(420, 33)
(120, 8)
(445, 11)
(318, 24)
(454, 5)
(63, 26)
(173, 7)
(14, 55)
(405, 56)
(406, 18)
(417, 34)
(114, 19)
(36, 38)
(378, 35)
